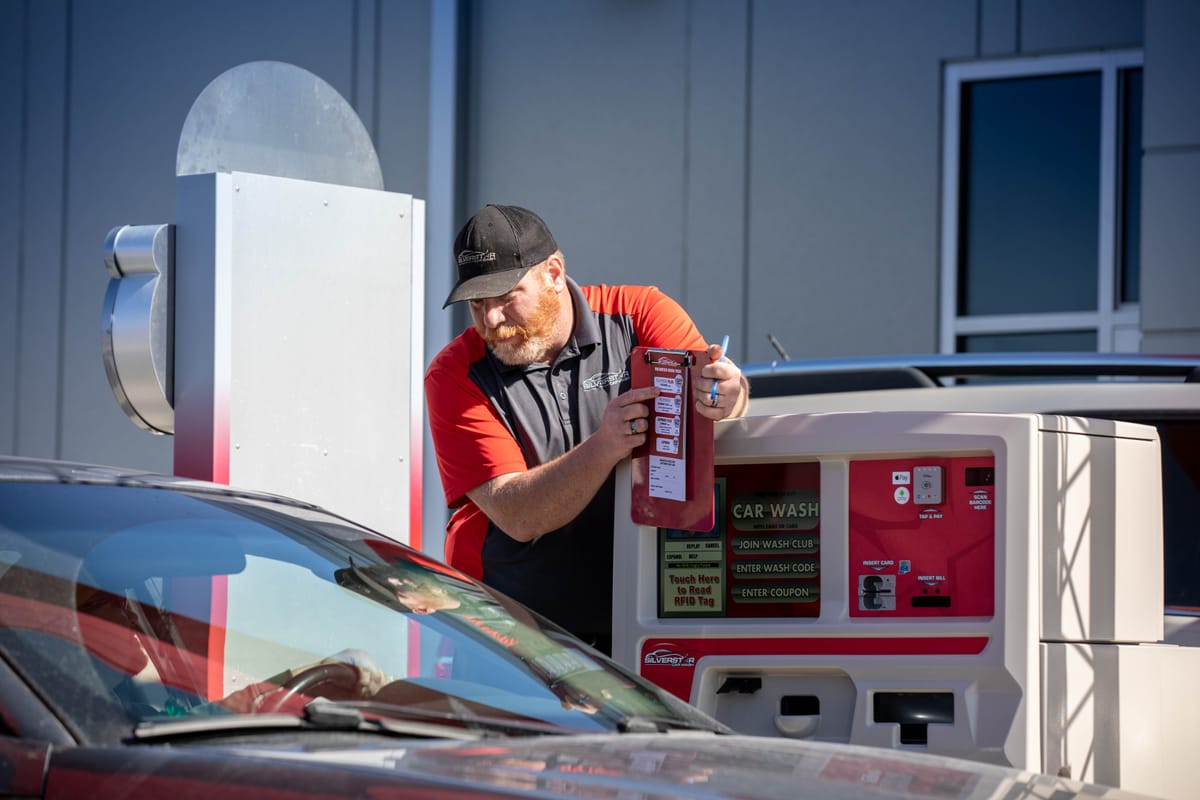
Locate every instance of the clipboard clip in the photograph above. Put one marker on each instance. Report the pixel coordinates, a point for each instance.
(685, 357)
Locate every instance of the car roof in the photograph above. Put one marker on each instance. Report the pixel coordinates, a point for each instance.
(1129, 386)
(22, 469)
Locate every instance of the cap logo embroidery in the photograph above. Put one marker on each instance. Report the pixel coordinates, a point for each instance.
(475, 256)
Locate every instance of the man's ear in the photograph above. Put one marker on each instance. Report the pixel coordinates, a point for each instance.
(556, 271)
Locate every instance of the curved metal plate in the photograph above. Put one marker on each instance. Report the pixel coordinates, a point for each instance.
(136, 338)
(272, 118)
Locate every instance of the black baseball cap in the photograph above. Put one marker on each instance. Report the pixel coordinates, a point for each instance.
(494, 250)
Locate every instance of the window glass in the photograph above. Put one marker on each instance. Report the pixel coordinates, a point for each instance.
(1181, 502)
(1131, 184)
(132, 606)
(1051, 341)
(1030, 173)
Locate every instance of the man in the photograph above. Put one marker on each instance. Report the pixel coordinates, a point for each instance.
(530, 410)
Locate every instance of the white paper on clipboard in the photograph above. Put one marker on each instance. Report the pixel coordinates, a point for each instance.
(667, 461)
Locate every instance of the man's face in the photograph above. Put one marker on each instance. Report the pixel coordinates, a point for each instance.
(519, 326)
(422, 599)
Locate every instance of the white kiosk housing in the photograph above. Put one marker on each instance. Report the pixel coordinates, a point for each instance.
(987, 586)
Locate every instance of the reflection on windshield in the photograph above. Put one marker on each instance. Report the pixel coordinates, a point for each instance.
(131, 605)
(575, 678)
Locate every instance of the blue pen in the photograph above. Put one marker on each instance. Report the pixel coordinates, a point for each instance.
(712, 397)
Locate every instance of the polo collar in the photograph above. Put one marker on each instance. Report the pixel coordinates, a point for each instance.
(587, 331)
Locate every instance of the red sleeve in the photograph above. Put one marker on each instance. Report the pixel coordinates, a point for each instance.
(664, 323)
(658, 321)
(464, 540)
(471, 443)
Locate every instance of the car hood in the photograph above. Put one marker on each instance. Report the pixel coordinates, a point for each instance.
(679, 765)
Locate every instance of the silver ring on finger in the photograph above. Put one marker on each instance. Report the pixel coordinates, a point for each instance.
(633, 427)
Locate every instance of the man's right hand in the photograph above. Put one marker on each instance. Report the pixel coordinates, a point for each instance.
(627, 421)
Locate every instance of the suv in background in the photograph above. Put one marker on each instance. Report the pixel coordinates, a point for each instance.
(1163, 391)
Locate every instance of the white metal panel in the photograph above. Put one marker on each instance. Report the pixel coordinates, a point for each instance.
(321, 325)
(1122, 715)
(1101, 532)
(294, 361)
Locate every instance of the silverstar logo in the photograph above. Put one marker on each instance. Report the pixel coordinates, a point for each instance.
(474, 256)
(666, 658)
(602, 379)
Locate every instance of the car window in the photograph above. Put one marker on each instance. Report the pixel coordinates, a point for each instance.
(1181, 513)
(132, 605)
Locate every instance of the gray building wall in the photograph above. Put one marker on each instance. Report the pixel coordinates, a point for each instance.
(1171, 179)
(774, 164)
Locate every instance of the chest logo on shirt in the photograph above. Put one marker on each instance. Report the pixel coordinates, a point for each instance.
(602, 379)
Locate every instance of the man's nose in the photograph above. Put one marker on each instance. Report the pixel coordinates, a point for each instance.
(493, 314)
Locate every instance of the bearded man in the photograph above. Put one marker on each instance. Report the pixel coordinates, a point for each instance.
(530, 410)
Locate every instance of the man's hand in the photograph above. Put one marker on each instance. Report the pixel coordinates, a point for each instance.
(626, 422)
(733, 390)
(346, 675)
(371, 677)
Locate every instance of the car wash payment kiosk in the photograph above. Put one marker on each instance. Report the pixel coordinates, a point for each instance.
(987, 586)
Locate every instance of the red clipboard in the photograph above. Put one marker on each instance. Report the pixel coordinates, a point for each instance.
(683, 499)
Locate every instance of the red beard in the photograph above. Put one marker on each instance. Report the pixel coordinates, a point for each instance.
(525, 344)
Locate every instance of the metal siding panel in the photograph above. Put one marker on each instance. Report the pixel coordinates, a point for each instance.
(998, 20)
(439, 221)
(715, 223)
(12, 143)
(577, 112)
(1171, 115)
(364, 95)
(41, 284)
(402, 127)
(1060, 25)
(844, 191)
(1170, 242)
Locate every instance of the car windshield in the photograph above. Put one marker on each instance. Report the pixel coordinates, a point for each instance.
(132, 606)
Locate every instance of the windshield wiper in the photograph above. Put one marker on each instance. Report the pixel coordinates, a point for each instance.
(319, 715)
(645, 723)
(461, 716)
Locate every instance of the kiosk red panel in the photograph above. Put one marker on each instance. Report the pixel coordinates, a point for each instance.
(922, 537)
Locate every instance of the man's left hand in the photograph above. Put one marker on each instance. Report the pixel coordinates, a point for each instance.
(731, 398)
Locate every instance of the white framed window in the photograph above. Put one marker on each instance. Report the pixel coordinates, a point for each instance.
(1041, 203)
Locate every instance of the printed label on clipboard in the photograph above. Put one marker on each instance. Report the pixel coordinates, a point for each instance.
(667, 477)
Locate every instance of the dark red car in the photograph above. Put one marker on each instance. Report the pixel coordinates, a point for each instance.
(161, 637)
